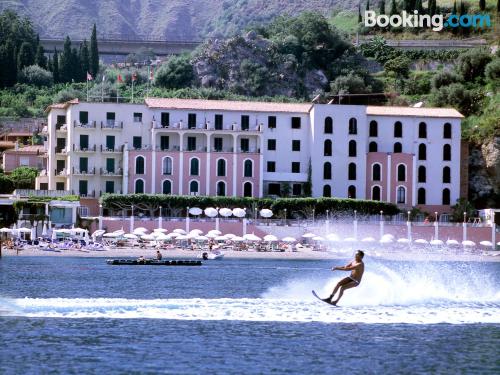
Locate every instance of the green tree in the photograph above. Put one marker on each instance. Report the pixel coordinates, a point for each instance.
(94, 54)
(55, 66)
(458, 96)
(66, 62)
(6, 185)
(444, 78)
(367, 4)
(177, 72)
(348, 84)
(24, 177)
(492, 73)
(462, 205)
(394, 8)
(35, 75)
(471, 64)
(25, 56)
(360, 18)
(399, 66)
(84, 61)
(482, 5)
(40, 58)
(381, 9)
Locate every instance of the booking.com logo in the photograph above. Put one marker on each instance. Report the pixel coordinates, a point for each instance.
(437, 22)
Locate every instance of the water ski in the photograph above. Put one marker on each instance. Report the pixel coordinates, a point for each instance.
(321, 299)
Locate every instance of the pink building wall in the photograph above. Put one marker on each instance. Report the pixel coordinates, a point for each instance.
(148, 166)
(228, 178)
(201, 178)
(174, 177)
(407, 160)
(12, 160)
(372, 158)
(240, 179)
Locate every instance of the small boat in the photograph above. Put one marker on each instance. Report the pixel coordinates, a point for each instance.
(211, 255)
(152, 262)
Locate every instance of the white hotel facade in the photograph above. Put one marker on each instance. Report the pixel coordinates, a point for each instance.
(407, 156)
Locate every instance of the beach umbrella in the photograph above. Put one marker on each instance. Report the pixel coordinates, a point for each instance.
(174, 234)
(308, 235)
(220, 238)
(119, 232)
(196, 232)
(230, 235)
(251, 237)
(210, 212)
(182, 237)
(180, 231)
(332, 237)
(201, 238)
(318, 238)
(239, 212)
(211, 235)
(148, 237)
(436, 243)
(238, 239)
(107, 235)
(270, 238)
(349, 239)
(452, 243)
(98, 233)
(215, 231)
(468, 243)
(266, 213)
(226, 212)
(403, 240)
(160, 230)
(288, 239)
(33, 233)
(163, 237)
(141, 229)
(368, 239)
(44, 230)
(421, 241)
(195, 211)
(131, 236)
(388, 236)
(486, 243)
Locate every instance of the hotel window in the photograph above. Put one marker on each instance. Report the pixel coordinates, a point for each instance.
(221, 189)
(84, 165)
(352, 148)
(139, 186)
(421, 196)
(328, 125)
(84, 142)
(353, 126)
(110, 118)
(422, 130)
(373, 129)
(271, 122)
(44, 186)
(110, 142)
(398, 129)
(446, 152)
(376, 172)
(83, 186)
(166, 167)
(327, 191)
(60, 144)
(327, 171)
(61, 120)
(137, 117)
(221, 167)
(60, 165)
(422, 174)
(218, 144)
(139, 165)
(164, 142)
(351, 171)
(165, 119)
(271, 166)
(191, 143)
(244, 144)
(297, 189)
(247, 189)
(422, 152)
(245, 122)
(137, 143)
(166, 187)
(398, 148)
(194, 167)
(327, 148)
(218, 122)
(351, 192)
(193, 188)
(446, 175)
(109, 187)
(191, 120)
(401, 172)
(447, 131)
(59, 186)
(274, 189)
(110, 165)
(401, 195)
(295, 167)
(295, 122)
(376, 193)
(248, 168)
(271, 144)
(446, 196)
(372, 147)
(295, 145)
(84, 117)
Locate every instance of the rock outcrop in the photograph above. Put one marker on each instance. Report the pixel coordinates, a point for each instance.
(484, 173)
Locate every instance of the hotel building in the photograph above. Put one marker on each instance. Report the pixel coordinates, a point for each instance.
(404, 155)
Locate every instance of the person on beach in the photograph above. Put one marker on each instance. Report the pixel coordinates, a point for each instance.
(158, 255)
(357, 268)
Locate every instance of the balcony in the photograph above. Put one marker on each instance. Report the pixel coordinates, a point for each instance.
(223, 149)
(251, 150)
(91, 125)
(235, 127)
(77, 148)
(41, 193)
(168, 149)
(88, 172)
(61, 128)
(87, 194)
(61, 172)
(61, 151)
(116, 173)
(105, 149)
(112, 125)
(197, 149)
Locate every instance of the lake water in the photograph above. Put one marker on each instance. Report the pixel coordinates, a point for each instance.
(80, 315)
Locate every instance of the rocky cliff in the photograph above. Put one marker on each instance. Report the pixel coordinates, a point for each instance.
(484, 173)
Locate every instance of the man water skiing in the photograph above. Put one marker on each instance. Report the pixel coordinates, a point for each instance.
(357, 267)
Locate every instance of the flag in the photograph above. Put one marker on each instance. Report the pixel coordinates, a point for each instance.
(134, 76)
(120, 80)
(89, 76)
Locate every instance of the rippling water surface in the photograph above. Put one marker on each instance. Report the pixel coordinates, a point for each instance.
(74, 315)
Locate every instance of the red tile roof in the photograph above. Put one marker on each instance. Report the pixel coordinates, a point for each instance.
(412, 111)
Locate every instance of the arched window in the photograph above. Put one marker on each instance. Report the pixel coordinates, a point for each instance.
(221, 189)
(352, 148)
(401, 172)
(446, 175)
(193, 187)
(373, 128)
(247, 189)
(327, 148)
(351, 192)
(372, 147)
(398, 129)
(421, 196)
(353, 126)
(446, 152)
(447, 131)
(327, 171)
(422, 174)
(422, 152)
(327, 191)
(376, 193)
(328, 125)
(422, 130)
(139, 186)
(167, 166)
(446, 196)
(139, 165)
(401, 195)
(398, 148)
(194, 167)
(166, 187)
(221, 167)
(248, 168)
(352, 171)
(376, 175)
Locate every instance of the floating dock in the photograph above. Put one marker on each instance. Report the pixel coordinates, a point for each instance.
(152, 262)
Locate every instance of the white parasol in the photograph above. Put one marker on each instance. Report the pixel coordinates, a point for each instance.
(195, 211)
(226, 212)
(210, 212)
(266, 213)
